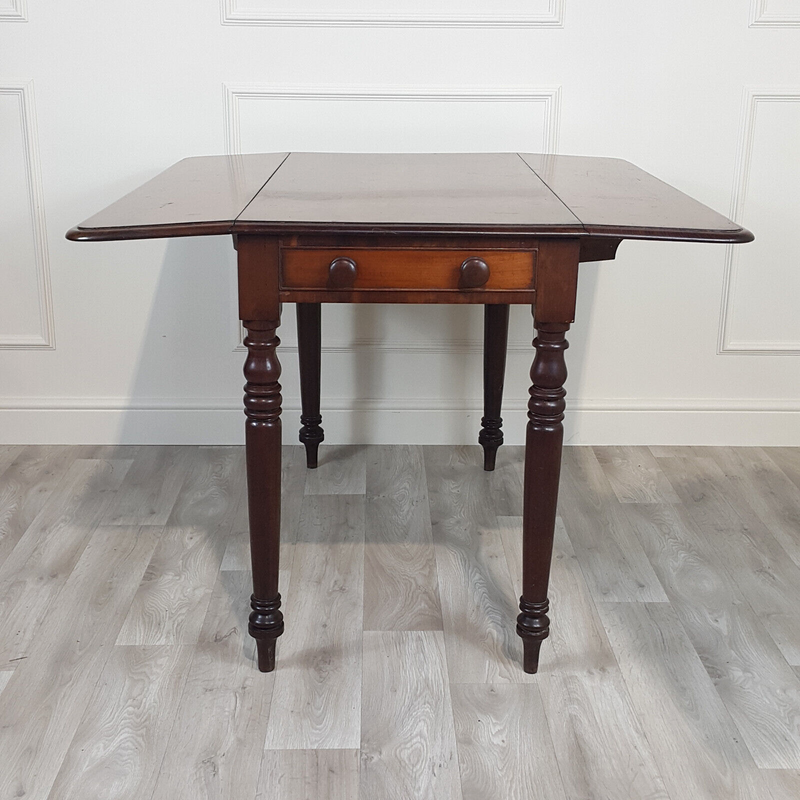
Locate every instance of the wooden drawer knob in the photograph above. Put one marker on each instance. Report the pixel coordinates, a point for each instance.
(342, 273)
(474, 273)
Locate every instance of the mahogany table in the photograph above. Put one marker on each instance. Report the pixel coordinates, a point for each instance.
(494, 229)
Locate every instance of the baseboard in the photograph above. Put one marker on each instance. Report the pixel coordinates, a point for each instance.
(597, 422)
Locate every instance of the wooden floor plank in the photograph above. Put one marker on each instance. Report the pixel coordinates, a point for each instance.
(788, 459)
(613, 563)
(26, 483)
(697, 746)
(151, 486)
(121, 740)
(744, 546)
(8, 454)
(506, 479)
(342, 470)
(44, 700)
(601, 749)
(172, 600)
(44, 557)
(217, 740)
(760, 483)
(479, 607)
(317, 699)
(634, 475)
(309, 775)
(577, 639)
(504, 746)
(783, 784)
(408, 744)
(695, 700)
(758, 687)
(400, 584)
(211, 490)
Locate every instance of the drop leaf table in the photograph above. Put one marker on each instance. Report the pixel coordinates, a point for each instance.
(489, 228)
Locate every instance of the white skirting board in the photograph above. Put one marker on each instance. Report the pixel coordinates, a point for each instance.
(606, 422)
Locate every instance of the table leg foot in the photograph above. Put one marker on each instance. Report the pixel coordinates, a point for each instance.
(533, 625)
(266, 654)
(311, 437)
(490, 438)
(266, 625)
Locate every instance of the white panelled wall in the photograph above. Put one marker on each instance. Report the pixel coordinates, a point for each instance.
(138, 341)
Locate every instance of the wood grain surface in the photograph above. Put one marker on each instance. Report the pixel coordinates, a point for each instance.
(119, 745)
(309, 775)
(408, 741)
(46, 555)
(504, 747)
(401, 590)
(475, 588)
(317, 699)
(687, 697)
(203, 194)
(471, 193)
(695, 742)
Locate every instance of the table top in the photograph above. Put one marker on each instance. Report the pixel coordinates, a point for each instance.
(430, 193)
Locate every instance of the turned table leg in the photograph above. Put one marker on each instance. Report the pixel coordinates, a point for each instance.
(309, 344)
(262, 404)
(542, 468)
(495, 342)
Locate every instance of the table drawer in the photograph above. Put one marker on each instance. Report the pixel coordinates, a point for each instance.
(356, 269)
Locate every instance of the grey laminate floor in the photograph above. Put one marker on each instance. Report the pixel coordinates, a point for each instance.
(672, 670)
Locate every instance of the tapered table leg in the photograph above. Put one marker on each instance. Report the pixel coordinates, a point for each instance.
(309, 344)
(262, 404)
(495, 343)
(542, 469)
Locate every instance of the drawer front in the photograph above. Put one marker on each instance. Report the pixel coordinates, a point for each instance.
(356, 269)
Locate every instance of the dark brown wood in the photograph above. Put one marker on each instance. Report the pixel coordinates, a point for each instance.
(462, 297)
(612, 197)
(480, 194)
(495, 346)
(258, 265)
(493, 229)
(309, 347)
(262, 407)
(557, 281)
(411, 191)
(473, 273)
(598, 248)
(342, 273)
(195, 197)
(542, 469)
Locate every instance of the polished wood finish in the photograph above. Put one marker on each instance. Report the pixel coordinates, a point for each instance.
(419, 268)
(612, 197)
(495, 229)
(262, 404)
(473, 273)
(495, 344)
(409, 193)
(309, 346)
(542, 466)
(457, 193)
(342, 273)
(195, 197)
